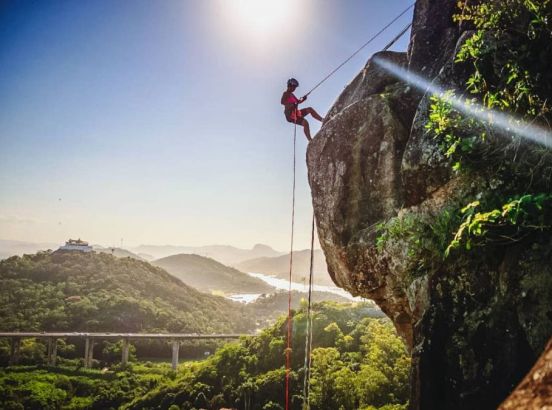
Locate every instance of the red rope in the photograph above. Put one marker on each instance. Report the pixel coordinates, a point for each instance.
(308, 335)
(289, 319)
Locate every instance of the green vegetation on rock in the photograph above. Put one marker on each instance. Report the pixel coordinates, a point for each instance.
(473, 249)
(503, 196)
(507, 59)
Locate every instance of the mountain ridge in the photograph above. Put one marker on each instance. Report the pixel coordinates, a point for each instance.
(225, 254)
(207, 274)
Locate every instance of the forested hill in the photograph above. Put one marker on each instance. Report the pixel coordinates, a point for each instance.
(208, 275)
(98, 292)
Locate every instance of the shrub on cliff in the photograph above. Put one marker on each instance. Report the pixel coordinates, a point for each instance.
(507, 58)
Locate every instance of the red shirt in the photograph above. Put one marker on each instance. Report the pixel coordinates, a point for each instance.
(290, 101)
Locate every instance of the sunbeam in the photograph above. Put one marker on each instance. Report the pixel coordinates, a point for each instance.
(499, 120)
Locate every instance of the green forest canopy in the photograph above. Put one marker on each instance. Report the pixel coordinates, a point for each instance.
(98, 292)
(358, 363)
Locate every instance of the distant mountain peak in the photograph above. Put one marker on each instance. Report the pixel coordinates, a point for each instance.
(262, 247)
(225, 254)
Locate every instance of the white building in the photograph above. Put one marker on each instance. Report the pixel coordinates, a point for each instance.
(76, 245)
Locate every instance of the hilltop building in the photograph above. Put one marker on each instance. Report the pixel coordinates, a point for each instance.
(76, 245)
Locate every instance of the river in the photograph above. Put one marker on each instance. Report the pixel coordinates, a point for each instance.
(284, 285)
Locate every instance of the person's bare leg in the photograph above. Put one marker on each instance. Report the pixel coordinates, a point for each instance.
(312, 112)
(306, 128)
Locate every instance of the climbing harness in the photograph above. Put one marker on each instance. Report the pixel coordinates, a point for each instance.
(308, 336)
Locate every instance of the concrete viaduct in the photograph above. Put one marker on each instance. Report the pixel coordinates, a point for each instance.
(91, 338)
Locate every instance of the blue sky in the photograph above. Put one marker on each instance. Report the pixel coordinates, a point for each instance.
(159, 121)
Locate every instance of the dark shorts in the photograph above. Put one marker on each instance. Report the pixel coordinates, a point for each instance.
(299, 120)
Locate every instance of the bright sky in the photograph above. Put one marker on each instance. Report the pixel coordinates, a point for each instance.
(160, 121)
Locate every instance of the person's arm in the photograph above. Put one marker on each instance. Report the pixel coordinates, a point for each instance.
(284, 98)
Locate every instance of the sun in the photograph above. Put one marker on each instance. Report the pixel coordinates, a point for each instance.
(263, 19)
(263, 16)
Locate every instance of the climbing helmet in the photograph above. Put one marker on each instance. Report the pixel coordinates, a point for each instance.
(293, 82)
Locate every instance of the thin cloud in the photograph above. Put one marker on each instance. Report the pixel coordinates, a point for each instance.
(17, 220)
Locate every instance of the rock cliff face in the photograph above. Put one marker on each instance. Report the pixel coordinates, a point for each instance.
(474, 325)
(535, 391)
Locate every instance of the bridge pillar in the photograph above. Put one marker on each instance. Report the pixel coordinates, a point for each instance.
(15, 349)
(126, 346)
(86, 348)
(52, 351)
(175, 348)
(88, 352)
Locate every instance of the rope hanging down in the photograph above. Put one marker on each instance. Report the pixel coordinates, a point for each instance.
(288, 350)
(308, 334)
(364, 45)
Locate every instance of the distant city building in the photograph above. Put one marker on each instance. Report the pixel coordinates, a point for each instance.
(76, 245)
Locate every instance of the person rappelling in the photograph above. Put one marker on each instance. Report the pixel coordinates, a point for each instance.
(292, 111)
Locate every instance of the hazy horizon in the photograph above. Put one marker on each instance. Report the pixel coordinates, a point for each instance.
(132, 246)
(161, 122)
